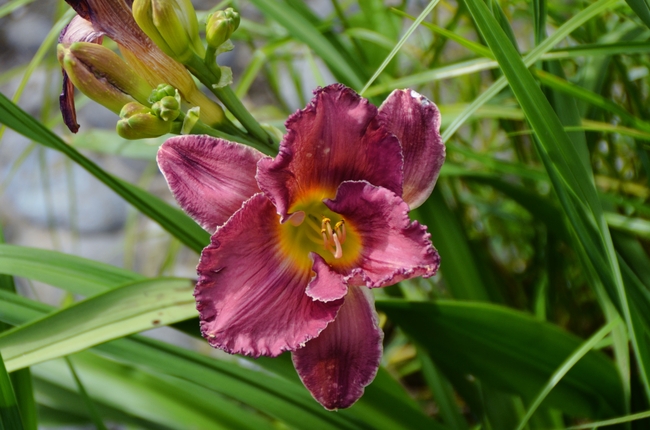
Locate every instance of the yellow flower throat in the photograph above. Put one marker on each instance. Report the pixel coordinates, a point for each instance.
(313, 227)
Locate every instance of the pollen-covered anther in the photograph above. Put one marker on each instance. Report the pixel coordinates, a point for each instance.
(333, 238)
(339, 228)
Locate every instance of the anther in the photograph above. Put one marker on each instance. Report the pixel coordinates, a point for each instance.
(340, 229)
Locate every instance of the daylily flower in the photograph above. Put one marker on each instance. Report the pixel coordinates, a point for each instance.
(300, 239)
(113, 18)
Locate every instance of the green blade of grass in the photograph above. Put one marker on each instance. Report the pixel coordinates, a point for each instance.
(173, 220)
(427, 10)
(642, 10)
(90, 405)
(564, 368)
(135, 307)
(282, 398)
(302, 30)
(568, 169)
(533, 56)
(74, 274)
(613, 421)
(9, 411)
(511, 351)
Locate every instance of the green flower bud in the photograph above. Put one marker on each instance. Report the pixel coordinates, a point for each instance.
(140, 122)
(163, 90)
(172, 25)
(220, 26)
(168, 108)
(102, 75)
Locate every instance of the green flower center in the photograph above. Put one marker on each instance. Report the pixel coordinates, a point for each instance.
(313, 227)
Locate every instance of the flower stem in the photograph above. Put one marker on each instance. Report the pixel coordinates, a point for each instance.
(202, 128)
(229, 99)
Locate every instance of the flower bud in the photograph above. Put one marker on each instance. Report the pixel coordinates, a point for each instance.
(220, 26)
(161, 91)
(172, 25)
(168, 108)
(140, 122)
(102, 75)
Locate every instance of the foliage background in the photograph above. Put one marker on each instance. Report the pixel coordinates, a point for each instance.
(540, 316)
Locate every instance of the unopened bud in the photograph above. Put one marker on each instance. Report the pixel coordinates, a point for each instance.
(172, 25)
(220, 26)
(140, 122)
(161, 91)
(168, 108)
(102, 75)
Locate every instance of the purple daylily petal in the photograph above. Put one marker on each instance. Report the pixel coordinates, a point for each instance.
(210, 178)
(80, 30)
(393, 247)
(66, 104)
(337, 365)
(250, 296)
(327, 285)
(112, 17)
(416, 122)
(336, 138)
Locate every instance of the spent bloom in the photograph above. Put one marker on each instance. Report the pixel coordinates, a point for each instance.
(300, 239)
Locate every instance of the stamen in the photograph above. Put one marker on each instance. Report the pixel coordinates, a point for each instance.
(339, 250)
(326, 242)
(340, 229)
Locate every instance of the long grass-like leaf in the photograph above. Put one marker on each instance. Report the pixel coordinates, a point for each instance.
(74, 274)
(284, 399)
(92, 410)
(613, 421)
(172, 220)
(533, 56)
(9, 412)
(568, 167)
(511, 351)
(301, 29)
(564, 368)
(130, 309)
(427, 10)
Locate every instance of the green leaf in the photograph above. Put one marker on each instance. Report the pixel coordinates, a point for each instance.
(9, 412)
(21, 379)
(171, 219)
(443, 393)
(119, 312)
(90, 406)
(71, 273)
(510, 350)
(565, 367)
(642, 10)
(459, 268)
(568, 167)
(302, 30)
(384, 405)
(283, 399)
(166, 401)
(533, 56)
(427, 10)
